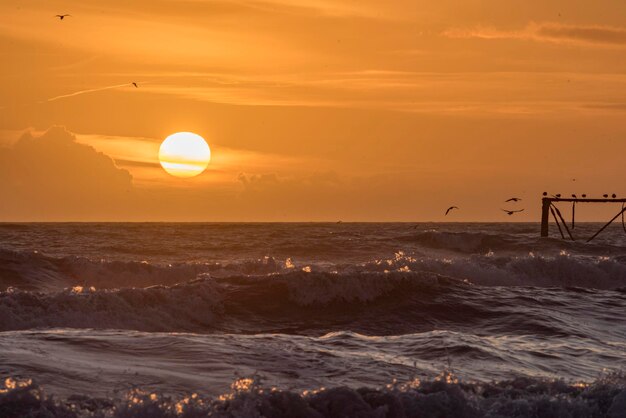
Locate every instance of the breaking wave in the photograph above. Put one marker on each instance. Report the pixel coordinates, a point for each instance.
(206, 303)
(39, 272)
(564, 269)
(443, 396)
(373, 303)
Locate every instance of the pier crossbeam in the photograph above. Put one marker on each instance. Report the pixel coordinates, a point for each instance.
(564, 199)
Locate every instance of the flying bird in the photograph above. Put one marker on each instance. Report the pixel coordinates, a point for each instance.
(135, 84)
(61, 17)
(450, 208)
(511, 212)
(513, 199)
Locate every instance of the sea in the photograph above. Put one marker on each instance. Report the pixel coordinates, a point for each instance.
(311, 320)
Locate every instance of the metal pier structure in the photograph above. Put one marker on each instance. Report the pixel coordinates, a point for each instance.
(549, 207)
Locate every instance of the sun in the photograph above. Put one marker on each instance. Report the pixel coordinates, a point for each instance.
(184, 154)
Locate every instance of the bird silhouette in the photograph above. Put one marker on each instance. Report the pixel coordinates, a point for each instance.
(545, 193)
(135, 84)
(606, 196)
(558, 195)
(613, 195)
(511, 212)
(61, 17)
(584, 195)
(574, 196)
(513, 199)
(450, 208)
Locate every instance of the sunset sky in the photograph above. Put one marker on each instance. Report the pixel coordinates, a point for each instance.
(315, 110)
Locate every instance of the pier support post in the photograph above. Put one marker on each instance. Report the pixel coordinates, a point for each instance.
(545, 216)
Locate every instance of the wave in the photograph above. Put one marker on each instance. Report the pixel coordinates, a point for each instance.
(373, 303)
(190, 306)
(39, 272)
(443, 396)
(36, 271)
(206, 303)
(479, 242)
(564, 269)
(468, 242)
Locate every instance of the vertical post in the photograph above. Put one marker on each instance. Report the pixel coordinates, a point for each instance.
(573, 215)
(545, 216)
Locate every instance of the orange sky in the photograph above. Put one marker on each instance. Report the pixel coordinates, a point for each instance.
(314, 109)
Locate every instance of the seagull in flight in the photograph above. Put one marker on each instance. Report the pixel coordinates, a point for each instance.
(61, 17)
(449, 209)
(135, 84)
(511, 212)
(513, 199)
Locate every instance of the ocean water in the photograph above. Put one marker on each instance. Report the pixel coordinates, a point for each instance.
(311, 320)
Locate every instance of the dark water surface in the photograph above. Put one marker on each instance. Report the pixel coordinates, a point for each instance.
(391, 319)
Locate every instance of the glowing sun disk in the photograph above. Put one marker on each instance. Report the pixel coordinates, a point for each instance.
(184, 154)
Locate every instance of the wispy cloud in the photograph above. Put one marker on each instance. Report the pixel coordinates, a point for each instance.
(470, 93)
(78, 93)
(548, 32)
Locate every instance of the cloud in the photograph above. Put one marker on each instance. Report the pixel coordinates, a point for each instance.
(267, 181)
(588, 34)
(548, 32)
(51, 174)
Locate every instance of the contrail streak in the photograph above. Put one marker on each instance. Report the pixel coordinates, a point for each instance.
(78, 93)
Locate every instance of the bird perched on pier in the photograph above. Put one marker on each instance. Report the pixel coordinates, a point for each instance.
(545, 193)
(449, 209)
(558, 195)
(61, 17)
(511, 212)
(613, 195)
(584, 195)
(606, 196)
(574, 196)
(513, 199)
